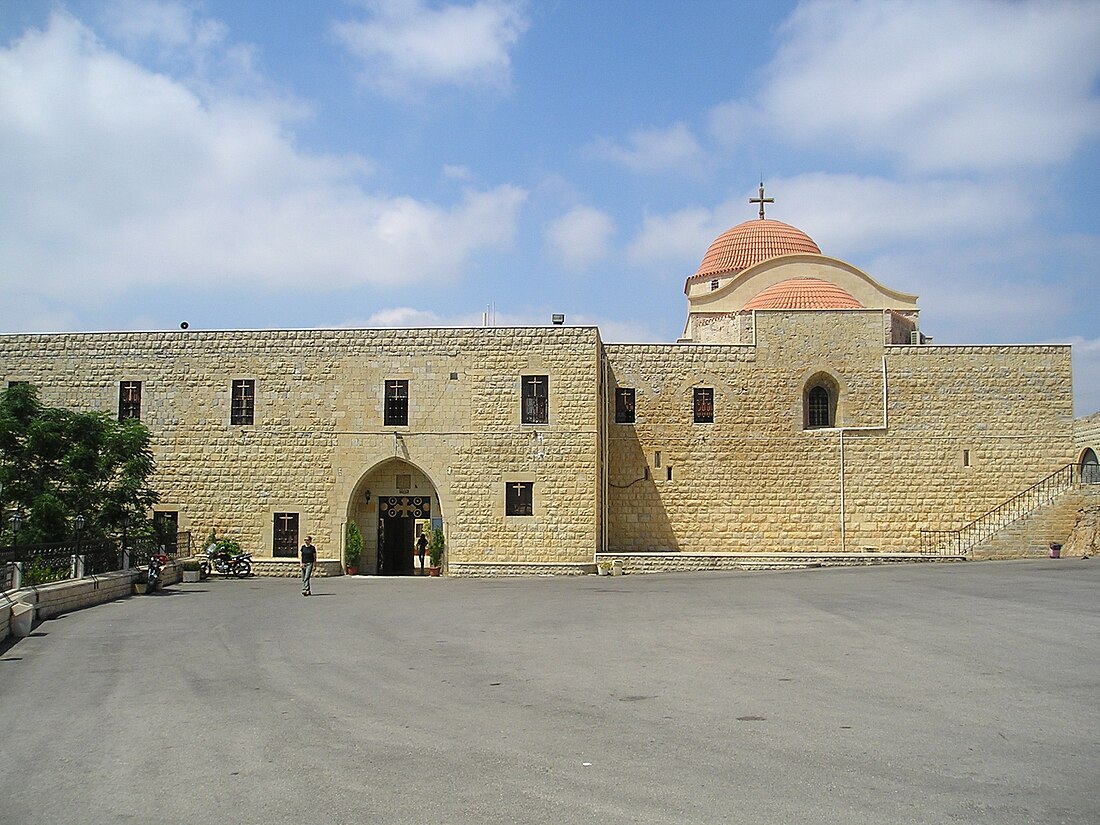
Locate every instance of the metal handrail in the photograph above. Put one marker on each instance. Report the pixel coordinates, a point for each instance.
(958, 542)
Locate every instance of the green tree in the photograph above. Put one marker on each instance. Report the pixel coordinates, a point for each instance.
(56, 464)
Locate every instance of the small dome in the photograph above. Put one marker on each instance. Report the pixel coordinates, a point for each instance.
(803, 293)
(751, 242)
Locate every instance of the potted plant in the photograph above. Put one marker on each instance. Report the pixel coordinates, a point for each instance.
(190, 568)
(435, 552)
(353, 549)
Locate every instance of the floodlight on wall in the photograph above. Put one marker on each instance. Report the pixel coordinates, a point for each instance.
(366, 496)
(558, 319)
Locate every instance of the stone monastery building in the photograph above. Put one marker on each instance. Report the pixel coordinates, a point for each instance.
(802, 412)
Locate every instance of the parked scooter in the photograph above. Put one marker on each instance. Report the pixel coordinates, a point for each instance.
(225, 563)
(154, 573)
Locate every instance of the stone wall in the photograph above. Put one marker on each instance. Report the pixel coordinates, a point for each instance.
(965, 429)
(925, 436)
(319, 434)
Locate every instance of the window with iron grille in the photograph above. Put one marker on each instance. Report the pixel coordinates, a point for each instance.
(285, 535)
(704, 405)
(536, 396)
(129, 400)
(818, 408)
(244, 402)
(519, 498)
(624, 405)
(397, 404)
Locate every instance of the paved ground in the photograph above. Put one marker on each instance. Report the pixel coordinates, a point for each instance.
(932, 693)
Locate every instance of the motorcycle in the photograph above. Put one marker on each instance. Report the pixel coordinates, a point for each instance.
(155, 571)
(225, 563)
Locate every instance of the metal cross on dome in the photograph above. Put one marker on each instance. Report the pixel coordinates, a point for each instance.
(761, 200)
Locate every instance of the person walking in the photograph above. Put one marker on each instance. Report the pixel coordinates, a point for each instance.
(309, 558)
(421, 547)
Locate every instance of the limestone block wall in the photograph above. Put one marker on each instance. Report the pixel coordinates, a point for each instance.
(319, 433)
(962, 429)
(1086, 434)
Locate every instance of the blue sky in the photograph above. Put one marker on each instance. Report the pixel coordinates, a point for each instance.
(244, 164)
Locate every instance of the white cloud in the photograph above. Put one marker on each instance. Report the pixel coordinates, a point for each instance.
(116, 177)
(846, 215)
(580, 238)
(653, 150)
(172, 25)
(679, 238)
(936, 84)
(406, 45)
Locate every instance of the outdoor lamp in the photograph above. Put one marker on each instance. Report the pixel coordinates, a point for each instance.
(78, 523)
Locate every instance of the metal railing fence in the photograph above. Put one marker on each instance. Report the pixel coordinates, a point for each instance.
(58, 561)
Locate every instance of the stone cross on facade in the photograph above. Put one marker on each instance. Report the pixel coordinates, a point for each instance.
(761, 200)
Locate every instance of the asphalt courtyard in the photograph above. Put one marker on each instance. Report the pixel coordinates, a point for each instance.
(901, 694)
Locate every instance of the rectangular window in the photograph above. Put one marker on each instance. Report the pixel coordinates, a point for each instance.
(285, 535)
(624, 405)
(244, 403)
(966, 458)
(519, 498)
(668, 474)
(536, 395)
(397, 404)
(704, 405)
(129, 400)
(657, 459)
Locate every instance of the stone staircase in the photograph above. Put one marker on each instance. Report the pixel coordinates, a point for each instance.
(1024, 526)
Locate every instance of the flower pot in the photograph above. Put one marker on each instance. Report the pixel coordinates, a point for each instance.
(353, 569)
(434, 571)
(141, 588)
(190, 575)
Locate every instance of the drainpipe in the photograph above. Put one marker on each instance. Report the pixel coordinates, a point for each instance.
(606, 453)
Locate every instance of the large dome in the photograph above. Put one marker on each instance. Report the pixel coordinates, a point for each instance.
(751, 242)
(803, 293)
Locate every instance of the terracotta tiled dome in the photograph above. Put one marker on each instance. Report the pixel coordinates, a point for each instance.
(750, 243)
(803, 293)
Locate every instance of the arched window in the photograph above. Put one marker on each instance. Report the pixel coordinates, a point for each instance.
(1090, 467)
(819, 402)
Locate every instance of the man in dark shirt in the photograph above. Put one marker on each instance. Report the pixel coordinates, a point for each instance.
(309, 558)
(421, 547)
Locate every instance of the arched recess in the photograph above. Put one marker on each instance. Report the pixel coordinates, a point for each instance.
(820, 401)
(391, 503)
(1089, 466)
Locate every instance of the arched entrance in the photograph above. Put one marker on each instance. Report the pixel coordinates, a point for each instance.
(1090, 467)
(393, 503)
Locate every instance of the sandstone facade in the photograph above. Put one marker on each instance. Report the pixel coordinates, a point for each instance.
(833, 429)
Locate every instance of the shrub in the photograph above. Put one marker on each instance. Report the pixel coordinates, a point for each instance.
(353, 546)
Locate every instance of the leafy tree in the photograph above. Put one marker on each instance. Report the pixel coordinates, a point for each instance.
(56, 464)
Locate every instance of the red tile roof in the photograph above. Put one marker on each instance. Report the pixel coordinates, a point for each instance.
(750, 243)
(803, 293)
